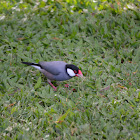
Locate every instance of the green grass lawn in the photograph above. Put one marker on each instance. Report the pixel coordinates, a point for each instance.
(103, 42)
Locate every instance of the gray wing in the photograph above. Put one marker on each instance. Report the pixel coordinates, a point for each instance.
(54, 67)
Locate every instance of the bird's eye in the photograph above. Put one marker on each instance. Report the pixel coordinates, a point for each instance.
(75, 71)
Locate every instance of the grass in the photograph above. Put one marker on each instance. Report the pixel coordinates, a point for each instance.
(105, 104)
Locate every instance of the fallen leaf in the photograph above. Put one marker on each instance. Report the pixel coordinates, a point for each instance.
(11, 104)
(135, 72)
(101, 95)
(59, 122)
(130, 61)
(106, 88)
(21, 38)
(122, 87)
(55, 38)
(127, 74)
(73, 130)
(118, 3)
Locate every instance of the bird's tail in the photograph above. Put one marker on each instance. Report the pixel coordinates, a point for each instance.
(35, 65)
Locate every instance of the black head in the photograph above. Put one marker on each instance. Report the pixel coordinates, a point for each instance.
(72, 70)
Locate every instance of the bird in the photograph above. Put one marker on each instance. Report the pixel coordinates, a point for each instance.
(56, 70)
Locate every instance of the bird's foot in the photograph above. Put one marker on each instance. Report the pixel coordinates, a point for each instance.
(67, 85)
(55, 88)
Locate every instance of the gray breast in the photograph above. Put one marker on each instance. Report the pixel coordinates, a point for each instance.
(62, 76)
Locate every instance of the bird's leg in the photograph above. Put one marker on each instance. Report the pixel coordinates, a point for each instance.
(55, 88)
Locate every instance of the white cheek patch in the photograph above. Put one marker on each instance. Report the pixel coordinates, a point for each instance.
(70, 72)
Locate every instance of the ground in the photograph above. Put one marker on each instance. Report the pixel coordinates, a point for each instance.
(102, 38)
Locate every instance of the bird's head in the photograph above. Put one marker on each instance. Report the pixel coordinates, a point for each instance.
(73, 70)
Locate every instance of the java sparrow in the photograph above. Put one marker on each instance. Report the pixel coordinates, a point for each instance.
(56, 70)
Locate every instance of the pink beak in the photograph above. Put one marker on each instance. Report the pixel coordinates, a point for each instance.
(79, 74)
